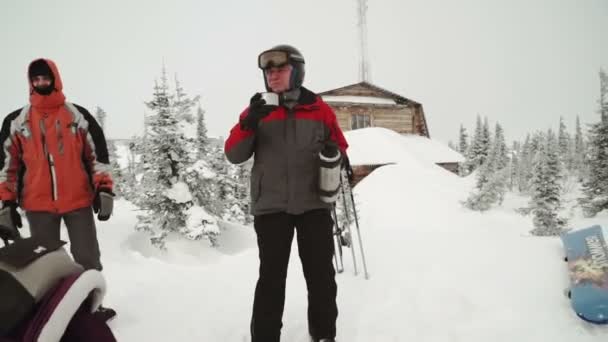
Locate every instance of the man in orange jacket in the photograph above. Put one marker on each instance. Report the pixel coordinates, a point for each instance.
(54, 165)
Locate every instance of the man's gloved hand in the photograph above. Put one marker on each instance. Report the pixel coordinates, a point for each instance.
(349, 170)
(103, 204)
(257, 110)
(10, 220)
(330, 149)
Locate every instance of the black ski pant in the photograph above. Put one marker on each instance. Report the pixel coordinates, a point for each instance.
(81, 230)
(315, 245)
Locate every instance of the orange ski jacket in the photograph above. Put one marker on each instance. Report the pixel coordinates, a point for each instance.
(53, 154)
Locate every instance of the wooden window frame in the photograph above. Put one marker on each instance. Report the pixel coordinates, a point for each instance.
(358, 121)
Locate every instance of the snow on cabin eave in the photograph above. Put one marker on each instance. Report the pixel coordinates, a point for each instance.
(352, 99)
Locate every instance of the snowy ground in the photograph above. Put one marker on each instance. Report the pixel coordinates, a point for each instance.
(438, 273)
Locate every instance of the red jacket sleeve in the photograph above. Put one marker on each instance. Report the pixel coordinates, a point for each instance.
(335, 132)
(239, 145)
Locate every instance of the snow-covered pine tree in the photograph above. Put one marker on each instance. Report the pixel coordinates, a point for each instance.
(501, 152)
(477, 151)
(463, 148)
(526, 157)
(202, 140)
(546, 202)
(514, 165)
(166, 197)
(452, 146)
(579, 153)
(491, 177)
(225, 202)
(117, 172)
(134, 167)
(486, 141)
(531, 147)
(563, 142)
(595, 186)
(183, 104)
(463, 140)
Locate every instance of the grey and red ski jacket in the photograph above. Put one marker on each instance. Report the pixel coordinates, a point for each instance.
(285, 148)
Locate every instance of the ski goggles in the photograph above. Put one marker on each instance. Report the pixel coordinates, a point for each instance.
(277, 58)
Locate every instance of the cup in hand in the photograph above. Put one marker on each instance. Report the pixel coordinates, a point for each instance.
(271, 98)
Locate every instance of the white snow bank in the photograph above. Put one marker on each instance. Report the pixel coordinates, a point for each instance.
(377, 145)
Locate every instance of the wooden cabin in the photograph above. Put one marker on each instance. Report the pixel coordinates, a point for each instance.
(364, 105)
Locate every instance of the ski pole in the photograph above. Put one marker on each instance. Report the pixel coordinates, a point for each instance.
(337, 234)
(348, 222)
(352, 198)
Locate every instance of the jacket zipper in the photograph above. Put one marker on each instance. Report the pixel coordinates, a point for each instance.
(53, 176)
(50, 160)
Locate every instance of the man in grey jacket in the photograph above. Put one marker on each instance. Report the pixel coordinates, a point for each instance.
(285, 142)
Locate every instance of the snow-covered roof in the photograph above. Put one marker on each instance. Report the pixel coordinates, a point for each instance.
(358, 99)
(377, 145)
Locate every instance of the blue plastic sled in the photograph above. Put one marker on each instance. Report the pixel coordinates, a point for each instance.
(587, 257)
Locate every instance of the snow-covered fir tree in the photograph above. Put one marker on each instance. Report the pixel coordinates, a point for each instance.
(514, 165)
(530, 148)
(202, 140)
(117, 172)
(500, 151)
(131, 172)
(228, 201)
(486, 141)
(595, 185)
(579, 150)
(480, 146)
(492, 176)
(166, 197)
(564, 145)
(463, 140)
(183, 104)
(546, 202)
(524, 168)
(463, 148)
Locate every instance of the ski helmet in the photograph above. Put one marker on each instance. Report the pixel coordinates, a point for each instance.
(281, 55)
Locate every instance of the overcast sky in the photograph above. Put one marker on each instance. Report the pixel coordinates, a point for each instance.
(523, 63)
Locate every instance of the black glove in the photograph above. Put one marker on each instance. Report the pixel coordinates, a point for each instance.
(349, 170)
(10, 220)
(257, 110)
(330, 149)
(103, 204)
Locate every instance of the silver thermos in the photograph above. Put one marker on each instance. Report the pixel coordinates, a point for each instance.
(329, 172)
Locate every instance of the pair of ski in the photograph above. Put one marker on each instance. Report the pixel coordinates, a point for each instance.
(342, 234)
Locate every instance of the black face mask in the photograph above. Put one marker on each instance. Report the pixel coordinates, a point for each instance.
(44, 90)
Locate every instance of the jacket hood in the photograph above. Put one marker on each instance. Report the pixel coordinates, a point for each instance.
(56, 98)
